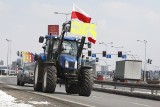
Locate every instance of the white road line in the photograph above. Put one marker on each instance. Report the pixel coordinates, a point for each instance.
(135, 103)
(96, 97)
(141, 104)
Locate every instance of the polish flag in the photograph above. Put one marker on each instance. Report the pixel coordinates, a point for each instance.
(78, 13)
(90, 39)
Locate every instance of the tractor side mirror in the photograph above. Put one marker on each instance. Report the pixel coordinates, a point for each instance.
(18, 53)
(35, 57)
(44, 47)
(41, 39)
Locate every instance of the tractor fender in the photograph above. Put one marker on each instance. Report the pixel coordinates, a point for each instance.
(41, 57)
(86, 67)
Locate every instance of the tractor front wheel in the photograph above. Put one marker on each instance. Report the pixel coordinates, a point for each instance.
(37, 84)
(49, 79)
(18, 82)
(85, 82)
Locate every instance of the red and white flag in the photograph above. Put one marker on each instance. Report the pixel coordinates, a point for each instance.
(79, 14)
(90, 39)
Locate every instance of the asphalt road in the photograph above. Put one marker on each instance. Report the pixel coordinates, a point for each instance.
(97, 99)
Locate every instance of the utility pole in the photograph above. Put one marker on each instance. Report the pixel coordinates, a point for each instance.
(106, 45)
(117, 49)
(8, 55)
(145, 54)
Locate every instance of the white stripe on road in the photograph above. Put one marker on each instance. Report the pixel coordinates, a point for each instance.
(140, 104)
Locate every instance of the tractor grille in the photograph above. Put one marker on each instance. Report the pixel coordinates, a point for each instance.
(71, 64)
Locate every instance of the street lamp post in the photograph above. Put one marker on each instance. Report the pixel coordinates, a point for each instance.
(135, 57)
(8, 55)
(128, 53)
(145, 44)
(105, 44)
(63, 14)
(117, 49)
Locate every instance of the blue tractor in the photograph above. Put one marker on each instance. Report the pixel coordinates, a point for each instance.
(61, 63)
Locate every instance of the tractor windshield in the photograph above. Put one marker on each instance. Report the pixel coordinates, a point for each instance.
(70, 47)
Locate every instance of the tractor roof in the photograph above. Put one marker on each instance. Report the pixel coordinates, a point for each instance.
(65, 38)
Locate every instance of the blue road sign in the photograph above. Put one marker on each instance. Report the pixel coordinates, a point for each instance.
(124, 56)
(93, 55)
(108, 56)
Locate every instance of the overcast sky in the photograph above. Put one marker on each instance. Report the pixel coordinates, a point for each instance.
(120, 21)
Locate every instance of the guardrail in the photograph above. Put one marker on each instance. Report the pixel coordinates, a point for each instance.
(132, 86)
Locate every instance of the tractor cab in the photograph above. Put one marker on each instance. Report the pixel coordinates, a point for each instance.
(69, 50)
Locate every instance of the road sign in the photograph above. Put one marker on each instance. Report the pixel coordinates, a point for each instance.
(124, 56)
(53, 30)
(108, 56)
(93, 55)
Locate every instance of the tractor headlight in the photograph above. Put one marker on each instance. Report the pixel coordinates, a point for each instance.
(66, 64)
(75, 65)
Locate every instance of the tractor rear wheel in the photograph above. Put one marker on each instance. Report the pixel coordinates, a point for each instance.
(18, 82)
(85, 82)
(49, 79)
(21, 83)
(71, 89)
(37, 84)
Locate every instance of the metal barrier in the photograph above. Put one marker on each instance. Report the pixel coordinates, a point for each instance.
(151, 87)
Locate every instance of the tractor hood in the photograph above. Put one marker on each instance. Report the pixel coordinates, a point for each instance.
(68, 61)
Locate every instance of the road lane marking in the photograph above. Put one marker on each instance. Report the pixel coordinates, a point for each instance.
(96, 97)
(141, 104)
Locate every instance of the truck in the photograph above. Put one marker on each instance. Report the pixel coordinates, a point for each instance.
(128, 70)
(60, 63)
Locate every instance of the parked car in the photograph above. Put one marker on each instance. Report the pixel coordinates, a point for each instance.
(25, 74)
(101, 77)
(12, 72)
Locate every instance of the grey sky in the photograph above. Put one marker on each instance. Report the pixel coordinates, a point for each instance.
(118, 21)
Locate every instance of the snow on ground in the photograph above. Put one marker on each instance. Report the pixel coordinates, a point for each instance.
(36, 102)
(9, 101)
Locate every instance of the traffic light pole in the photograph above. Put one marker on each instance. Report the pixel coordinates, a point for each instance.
(106, 48)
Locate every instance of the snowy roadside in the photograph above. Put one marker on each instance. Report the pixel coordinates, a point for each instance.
(9, 101)
(23, 97)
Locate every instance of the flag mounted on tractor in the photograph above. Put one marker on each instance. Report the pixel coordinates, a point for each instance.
(88, 29)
